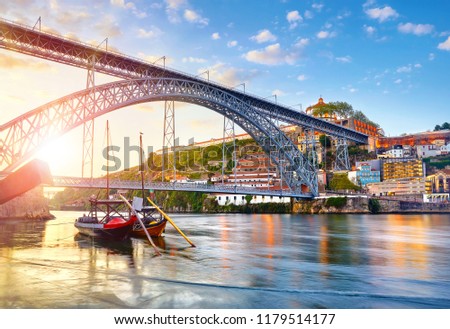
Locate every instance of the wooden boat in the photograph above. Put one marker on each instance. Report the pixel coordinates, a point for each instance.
(151, 218)
(154, 223)
(107, 220)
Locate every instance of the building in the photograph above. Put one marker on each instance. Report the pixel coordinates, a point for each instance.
(372, 131)
(398, 168)
(365, 175)
(439, 182)
(395, 152)
(426, 151)
(405, 186)
(240, 200)
(255, 170)
(424, 138)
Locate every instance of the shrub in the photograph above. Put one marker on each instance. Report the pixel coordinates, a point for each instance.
(337, 202)
(374, 206)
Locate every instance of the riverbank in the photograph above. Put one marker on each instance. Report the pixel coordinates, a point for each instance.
(365, 205)
(30, 205)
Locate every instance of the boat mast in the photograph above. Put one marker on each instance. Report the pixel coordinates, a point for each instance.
(107, 160)
(141, 166)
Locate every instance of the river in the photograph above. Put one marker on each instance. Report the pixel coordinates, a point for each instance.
(241, 261)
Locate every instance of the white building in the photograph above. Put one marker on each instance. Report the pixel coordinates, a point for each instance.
(239, 199)
(426, 151)
(395, 153)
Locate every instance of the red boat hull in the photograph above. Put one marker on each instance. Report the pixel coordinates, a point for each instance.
(115, 229)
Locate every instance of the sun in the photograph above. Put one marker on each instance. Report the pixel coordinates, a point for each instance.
(61, 157)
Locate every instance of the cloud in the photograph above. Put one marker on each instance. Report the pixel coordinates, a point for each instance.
(271, 55)
(370, 30)
(10, 62)
(382, 14)
(293, 17)
(302, 77)
(408, 68)
(230, 76)
(215, 36)
(73, 18)
(149, 34)
(404, 69)
(308, 14)
(232, 43)
(350, 89)
(431, 56)
(264, 36)
(417, 29)
(129, 6)
(303, 42)
(344, 59)
(278, 92)
(317, 6)
(172, 8)
(445, 45)
(175, 4)
(193, 17)
(398, 81)
(108, 26)
(159, 60)
(193, 60)
(325, 34)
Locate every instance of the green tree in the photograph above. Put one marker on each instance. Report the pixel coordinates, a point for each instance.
(374, 206)
(248, 198)
(341, 182)
(325, 141)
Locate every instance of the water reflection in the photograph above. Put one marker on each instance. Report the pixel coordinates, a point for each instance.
(244, 261)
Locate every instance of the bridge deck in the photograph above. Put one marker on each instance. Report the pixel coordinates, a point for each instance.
(100, 183)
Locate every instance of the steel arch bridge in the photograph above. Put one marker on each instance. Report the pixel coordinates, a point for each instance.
(60, 116)
(149, 82)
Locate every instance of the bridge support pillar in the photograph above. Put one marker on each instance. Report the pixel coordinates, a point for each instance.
(169, 162)
(342, 161)
(228, 146)
(309, 149)
(87, 166)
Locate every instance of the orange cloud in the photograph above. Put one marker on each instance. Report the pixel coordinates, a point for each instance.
(10, 62)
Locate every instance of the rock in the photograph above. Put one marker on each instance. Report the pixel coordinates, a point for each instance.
(30, 205)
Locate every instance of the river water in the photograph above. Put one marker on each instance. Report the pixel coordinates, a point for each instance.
(241, 261)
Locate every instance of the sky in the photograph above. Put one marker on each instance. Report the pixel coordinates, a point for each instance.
(389, 59)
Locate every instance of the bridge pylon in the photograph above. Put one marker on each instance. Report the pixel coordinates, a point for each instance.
(342, 160)
(87, 166)
(169, 141)
(229, 136)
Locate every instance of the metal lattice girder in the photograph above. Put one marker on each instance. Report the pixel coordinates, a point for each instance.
(342, 160)
(52, 47)
(87, 156)
(228, 136)
(310, 146)
(169, 140)
(32, 129)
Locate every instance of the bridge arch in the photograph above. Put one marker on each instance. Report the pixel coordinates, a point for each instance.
(21, 137)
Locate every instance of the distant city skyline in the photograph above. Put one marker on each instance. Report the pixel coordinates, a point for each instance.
(389, 60)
